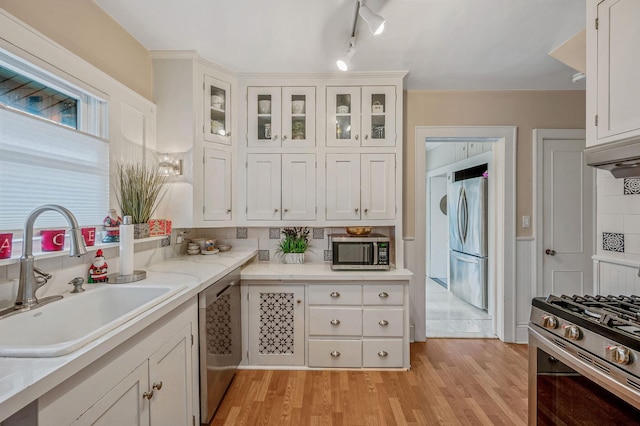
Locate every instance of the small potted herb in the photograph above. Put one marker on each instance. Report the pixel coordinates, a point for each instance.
(293, 245)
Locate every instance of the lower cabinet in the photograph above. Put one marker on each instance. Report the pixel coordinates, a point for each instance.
(349, 325)
(149, 381)
(276, 325)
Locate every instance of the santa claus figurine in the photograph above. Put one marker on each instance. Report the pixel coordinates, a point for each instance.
(98, 269)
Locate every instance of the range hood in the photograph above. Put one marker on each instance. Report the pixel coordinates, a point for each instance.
(622, 158)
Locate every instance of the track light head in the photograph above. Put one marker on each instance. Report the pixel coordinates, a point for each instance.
(375, 22)
(344, 62)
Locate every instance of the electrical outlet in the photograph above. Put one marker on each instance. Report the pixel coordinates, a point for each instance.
(166, 241)
(526, 221)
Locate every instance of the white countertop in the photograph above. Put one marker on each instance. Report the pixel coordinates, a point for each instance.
(317, 272)
(23, 380)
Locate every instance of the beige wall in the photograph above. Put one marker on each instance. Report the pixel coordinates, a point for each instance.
(527, 110)
(86, 30)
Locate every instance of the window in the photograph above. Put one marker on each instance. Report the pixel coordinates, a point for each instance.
(52, 148)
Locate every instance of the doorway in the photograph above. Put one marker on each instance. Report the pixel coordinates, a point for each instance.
(501, 240)
(450, 312)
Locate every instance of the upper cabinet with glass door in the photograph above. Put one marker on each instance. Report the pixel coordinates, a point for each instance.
(217, 121)
(281, 116)
(363, 116)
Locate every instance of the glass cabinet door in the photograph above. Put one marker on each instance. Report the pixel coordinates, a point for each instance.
(264, 116)
(378, 116)
(298, 116)
(343, 116)
(217, 123)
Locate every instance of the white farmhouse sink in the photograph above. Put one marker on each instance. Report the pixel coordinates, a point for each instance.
(66, 325)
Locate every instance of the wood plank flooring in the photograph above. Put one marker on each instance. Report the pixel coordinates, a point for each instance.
(451, 382)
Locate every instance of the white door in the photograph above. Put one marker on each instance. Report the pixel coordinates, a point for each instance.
(298, 187)
(263, 186)
(343, 116)
(216, 185)
(217, 102)
(378, 116)
(378, 195)
(264, 116)
(343, 186)
(299, 116)
(567, 215)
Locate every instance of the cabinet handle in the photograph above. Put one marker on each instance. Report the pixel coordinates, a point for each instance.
(157, 386)
(366, 137)
(383, 323)
(148, 395)
(228, 211)
(275, 138)
(383, 295)
(357, 137)
(335, 354)
(365, 211)
(357, 210)
(298, 301)
(383, 354)
(275, 210)
(286, 210)
(335, 322)
(284, 137)
(228, 133)
(334, 294)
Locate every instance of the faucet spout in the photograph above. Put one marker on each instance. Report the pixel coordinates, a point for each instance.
(29, 282)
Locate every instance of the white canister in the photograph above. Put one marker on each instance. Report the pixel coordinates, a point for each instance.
(264, 106)
(297, 107)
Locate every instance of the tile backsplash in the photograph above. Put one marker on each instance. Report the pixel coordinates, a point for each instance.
(618, 217)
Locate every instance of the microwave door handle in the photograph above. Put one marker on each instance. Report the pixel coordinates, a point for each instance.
(375, 254)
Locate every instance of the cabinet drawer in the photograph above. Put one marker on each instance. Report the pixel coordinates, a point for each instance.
(329, 321)
(335, 353)
(383, 322)
(339, 294)
(382, 353)
(383, 294)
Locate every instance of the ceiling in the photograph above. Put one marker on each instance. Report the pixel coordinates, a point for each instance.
(443, 44)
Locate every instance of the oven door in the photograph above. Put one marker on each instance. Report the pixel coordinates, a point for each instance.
(352, 255)
(567, 390)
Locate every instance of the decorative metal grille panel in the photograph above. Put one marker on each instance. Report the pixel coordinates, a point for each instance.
(276, 323)
(219, 340)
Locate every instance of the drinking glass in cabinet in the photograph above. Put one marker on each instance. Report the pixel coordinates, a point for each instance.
(343, 127)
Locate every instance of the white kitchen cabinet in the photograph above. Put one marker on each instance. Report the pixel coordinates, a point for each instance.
(361, 116)
(613, 87)
(217, 105)
(281, 187)
(147, 380)
(361, 186)
(216, 185)
(281, 116)
(276, 324)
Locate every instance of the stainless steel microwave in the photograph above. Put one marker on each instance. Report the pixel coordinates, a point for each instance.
(370, 252)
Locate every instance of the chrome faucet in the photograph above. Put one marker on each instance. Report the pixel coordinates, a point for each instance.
(32, 278)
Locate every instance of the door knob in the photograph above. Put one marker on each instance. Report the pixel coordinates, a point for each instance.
(550, 252)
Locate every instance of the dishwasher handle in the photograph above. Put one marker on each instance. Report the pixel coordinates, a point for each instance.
(227, 287)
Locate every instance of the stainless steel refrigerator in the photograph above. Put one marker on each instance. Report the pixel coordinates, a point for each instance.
(467, 208)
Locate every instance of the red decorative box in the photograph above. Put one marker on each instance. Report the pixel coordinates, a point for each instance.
(159, 227)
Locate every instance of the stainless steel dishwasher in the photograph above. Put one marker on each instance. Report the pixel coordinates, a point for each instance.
(220, 341)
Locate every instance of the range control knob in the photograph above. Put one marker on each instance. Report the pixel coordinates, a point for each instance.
(549, 321)
(619, 354)
(572, 332)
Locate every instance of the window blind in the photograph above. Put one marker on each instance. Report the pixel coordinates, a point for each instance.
(45, 163)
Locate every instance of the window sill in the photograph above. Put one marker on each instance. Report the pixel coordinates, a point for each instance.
(51, 254)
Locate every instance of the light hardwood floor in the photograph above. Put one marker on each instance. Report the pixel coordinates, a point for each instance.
(451, 381)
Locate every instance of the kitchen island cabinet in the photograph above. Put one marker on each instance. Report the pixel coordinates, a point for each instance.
(613, 87)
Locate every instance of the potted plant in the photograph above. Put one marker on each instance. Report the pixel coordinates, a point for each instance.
(139, 187)
(293, 245)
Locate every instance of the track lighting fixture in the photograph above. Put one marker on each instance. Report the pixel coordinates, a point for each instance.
(375, 22)
(376, 25)
(344, 62)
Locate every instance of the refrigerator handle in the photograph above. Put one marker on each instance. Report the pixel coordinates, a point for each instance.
(465, 224)
(458, 223)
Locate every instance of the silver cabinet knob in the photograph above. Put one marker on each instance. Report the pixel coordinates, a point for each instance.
(571, 332)
(366, 137)
(148, 395)
(383, 323)
(284, 137)
(228, 133)
(383, 295)
(383, 354)
(335, 321)
(274, 138)
(357, 209)
(275, 210)
(335, 354)
(366, 211)
(334, 294)
(357, 137)
(157, 386)
(550, 252)
(286, 210)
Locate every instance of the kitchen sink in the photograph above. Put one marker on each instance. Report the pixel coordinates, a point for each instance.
(66, 325)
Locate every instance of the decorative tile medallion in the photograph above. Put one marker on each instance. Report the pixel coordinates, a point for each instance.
(218, 326)
(328, 255)
(263, 255)
(276, 323)
(612, 241)
(631, 186)
(318, 233)
(241, 233)
(274, 233)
